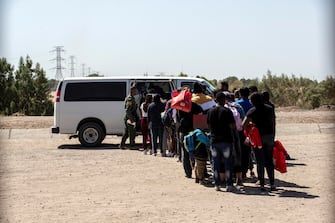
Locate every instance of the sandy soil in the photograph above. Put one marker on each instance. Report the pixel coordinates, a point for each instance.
(284, 115)
(49, 178)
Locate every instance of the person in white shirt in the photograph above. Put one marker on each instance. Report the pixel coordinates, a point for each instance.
(144, 121)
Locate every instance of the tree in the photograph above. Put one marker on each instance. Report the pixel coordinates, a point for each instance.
(41, 101)
(24, 85)
(7, 87)
(32, 89)
(93, 75)
(328, 90)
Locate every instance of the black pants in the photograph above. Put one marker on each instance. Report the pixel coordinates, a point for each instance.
(264, 158)
(186, 158)
(245, 154)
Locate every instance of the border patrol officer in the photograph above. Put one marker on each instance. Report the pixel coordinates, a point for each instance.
(130, 119)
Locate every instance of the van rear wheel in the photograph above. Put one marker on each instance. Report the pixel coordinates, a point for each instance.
(91, 134)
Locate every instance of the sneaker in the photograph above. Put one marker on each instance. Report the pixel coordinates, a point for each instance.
(262, 188)
(217, 188)
(122, 147)
(273, 187)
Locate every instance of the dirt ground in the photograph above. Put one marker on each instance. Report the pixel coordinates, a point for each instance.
(49, 178)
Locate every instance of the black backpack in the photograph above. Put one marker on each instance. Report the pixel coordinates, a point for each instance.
(167, 118)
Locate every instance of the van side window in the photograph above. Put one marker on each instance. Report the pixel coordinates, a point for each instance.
(162, 88)
(95, 91)
(187, 84)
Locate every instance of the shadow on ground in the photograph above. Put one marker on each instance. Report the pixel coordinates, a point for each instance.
(281, 190)
(103, 146)
(294, 164)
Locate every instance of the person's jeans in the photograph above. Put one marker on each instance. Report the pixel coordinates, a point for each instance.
(222, 155)
(264, 159)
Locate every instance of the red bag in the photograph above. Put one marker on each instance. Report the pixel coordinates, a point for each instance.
(254, 136)
(182, 101)
(279, 157)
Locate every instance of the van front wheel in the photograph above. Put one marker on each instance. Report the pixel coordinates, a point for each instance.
(91, 134)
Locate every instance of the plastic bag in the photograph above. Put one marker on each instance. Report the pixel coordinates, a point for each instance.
(182, 101)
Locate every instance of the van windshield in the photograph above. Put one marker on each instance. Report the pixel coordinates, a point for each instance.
(208, 85)
(209, 88)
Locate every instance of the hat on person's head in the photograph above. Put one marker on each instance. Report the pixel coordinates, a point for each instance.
(197, 88)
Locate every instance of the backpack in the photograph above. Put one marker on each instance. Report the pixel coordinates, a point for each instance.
(237, 117)
(194, 139)
(167, 118)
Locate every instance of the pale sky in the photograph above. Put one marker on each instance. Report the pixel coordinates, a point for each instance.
(211, 38)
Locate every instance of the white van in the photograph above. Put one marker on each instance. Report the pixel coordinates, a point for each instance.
(92, 107)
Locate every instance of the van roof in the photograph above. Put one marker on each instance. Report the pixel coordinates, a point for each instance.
(134, 77)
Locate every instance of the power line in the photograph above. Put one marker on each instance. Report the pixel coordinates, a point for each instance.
(72, 63)
(59, 68)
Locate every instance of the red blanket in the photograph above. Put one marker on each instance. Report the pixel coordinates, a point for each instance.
(279, 155)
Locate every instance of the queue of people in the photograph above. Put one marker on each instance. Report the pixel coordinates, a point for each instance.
(228, 116)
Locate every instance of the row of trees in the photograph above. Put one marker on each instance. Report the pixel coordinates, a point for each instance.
(26, 90)
(289, 91)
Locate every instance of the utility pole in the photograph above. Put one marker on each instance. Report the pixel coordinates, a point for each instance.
(72, 63)
(59, 68)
